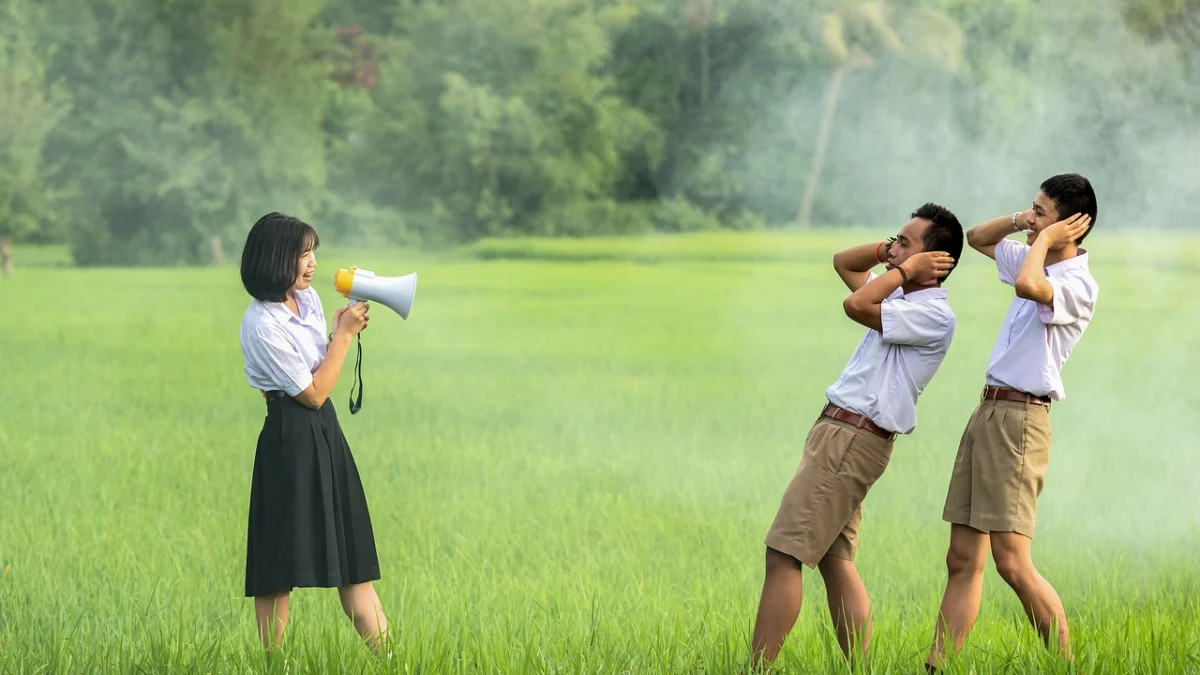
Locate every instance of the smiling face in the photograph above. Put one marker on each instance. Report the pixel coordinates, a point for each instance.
(909, 242)
(305, 268)
(278, 258)
(1038, 217)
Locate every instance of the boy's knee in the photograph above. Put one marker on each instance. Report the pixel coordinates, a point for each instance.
(960, 562)
(1016, 572)
(835, 567)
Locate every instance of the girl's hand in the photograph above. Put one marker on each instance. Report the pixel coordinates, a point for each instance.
(351, 320)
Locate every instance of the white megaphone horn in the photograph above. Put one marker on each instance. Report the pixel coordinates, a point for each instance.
(395, 293)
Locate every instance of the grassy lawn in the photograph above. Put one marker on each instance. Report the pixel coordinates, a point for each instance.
(572, 457)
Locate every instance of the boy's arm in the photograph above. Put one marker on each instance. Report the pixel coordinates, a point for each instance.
(853, 265)
(866, 304)
(985, 236)
(1031, 282)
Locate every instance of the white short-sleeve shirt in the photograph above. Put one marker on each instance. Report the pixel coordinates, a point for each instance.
(283, 350)
(888, 371)
(1035, 340)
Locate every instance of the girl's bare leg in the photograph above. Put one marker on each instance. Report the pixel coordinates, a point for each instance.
(362, 605)
(271, 613)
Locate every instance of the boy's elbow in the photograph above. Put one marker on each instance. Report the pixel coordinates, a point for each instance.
(973, 239)
(1030, 289)
(1023, 285)
(852, 306)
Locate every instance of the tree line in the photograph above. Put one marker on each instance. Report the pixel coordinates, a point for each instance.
(151, 132)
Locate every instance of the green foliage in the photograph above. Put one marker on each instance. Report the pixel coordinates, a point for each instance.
(490, 116)
(30, 109)
(149, 129)
(214, 119)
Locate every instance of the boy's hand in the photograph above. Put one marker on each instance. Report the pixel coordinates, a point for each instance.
(1066, 231)
(927, 268)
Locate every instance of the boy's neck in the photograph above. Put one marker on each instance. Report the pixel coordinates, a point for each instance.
(912, 287)
(1065, 253)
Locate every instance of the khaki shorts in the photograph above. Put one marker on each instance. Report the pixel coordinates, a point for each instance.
(821, 509)
(1000, 468)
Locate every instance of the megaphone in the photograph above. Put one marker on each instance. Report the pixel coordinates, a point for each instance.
(395, 293)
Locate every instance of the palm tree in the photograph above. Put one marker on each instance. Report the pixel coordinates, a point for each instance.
(852, 34)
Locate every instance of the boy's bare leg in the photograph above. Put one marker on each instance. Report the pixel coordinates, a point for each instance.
(849, 605)
(779, 605)
(965, 563)
(1013, 554)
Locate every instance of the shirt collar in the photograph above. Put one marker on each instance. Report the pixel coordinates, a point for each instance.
(280, 311)
(1077, 262)
(926, 294)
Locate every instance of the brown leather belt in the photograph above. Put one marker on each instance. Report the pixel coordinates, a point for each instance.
(860, 421)
(1007, 394)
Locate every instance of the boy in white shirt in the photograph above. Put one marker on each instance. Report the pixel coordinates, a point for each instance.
(909, 328)
(1005, 449)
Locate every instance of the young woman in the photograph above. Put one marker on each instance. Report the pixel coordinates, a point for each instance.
(309, 525)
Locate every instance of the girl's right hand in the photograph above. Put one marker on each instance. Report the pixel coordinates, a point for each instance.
(352, 320)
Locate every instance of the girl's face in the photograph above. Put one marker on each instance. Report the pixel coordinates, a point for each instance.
(304, 270)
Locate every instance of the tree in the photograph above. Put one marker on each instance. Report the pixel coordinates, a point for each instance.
(192, 118)
(855, 35)
(29, 110)
(493, 118)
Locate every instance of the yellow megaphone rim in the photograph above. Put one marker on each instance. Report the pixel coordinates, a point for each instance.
(343, 280)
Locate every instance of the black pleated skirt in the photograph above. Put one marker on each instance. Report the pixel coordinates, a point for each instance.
(309, 525)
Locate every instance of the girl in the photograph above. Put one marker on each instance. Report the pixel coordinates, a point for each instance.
(309, 525)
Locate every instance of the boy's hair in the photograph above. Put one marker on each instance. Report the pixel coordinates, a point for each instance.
(1072, 194)
(272, 254)
(944, 233)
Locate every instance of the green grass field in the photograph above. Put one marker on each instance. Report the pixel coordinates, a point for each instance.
(572, 452)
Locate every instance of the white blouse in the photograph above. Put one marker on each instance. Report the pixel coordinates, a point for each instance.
(283, 350)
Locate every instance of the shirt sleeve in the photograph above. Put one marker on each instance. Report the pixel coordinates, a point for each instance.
(1009, 256)
(272, 353)
(1074, 300)
(919, 324)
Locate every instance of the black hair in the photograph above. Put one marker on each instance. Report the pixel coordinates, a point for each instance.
(1072, 194)
(944, 233)
(271, 255)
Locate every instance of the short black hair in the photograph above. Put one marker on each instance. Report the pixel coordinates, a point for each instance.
(1072, 194)
(271, 255)
(944, 233)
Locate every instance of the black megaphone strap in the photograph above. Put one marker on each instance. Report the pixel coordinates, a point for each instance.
(355, 406)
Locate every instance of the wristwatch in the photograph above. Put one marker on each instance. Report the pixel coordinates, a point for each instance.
(1014, 221)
